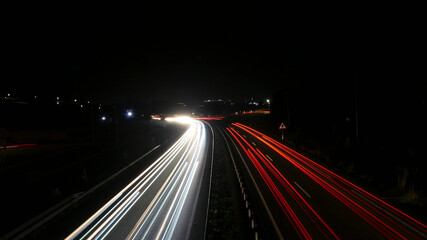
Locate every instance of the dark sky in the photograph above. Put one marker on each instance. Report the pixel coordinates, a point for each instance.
(142, 54)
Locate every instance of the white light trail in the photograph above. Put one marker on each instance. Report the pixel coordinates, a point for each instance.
(180, 119)
(167, 183)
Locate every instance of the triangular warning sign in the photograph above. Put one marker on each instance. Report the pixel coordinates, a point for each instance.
(282, 126)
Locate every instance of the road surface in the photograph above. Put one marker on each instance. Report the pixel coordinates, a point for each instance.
(168, 200)
(301, 199)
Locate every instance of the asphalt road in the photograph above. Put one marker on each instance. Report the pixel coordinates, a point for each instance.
(53, 173)
(168, 200)
(297, 198)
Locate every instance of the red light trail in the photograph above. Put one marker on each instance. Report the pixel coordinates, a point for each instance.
(298, 226)
(19, 145)
(210, 118)
(384, 218)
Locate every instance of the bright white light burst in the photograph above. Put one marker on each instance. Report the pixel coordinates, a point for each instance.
(180, 119)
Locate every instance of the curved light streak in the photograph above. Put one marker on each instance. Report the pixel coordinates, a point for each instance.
(167, 182)
(383, 217)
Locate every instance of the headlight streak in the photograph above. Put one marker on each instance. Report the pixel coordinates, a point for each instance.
(153, 173)
(110, 228)
(388, 221)
(195, 160)
(180, 119)
(95, 216)
(171, 224)
(154, 208)
(120, 215)
(181, 163)
(181, 193)
(162, 159)
(155, 201)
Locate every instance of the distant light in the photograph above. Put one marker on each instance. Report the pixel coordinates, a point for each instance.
(129, 113)
(156, 117)
(268, 101)
(75, 100)
(88, 102)
(103, 118)
(57, 98)
(35, 97)
(81, 105)
(8, 94)
(57, 102)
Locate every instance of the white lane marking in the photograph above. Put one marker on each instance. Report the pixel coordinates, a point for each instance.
(388, 212)
(269, 158)
(273, 221)
(308, 195)
(253, 144)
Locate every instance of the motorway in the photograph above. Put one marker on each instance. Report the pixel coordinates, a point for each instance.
(166, 200)
(298, 198)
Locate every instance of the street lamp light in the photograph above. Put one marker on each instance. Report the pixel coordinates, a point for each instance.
(129, 113)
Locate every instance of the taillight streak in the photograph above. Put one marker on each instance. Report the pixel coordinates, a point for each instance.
(311, 213)
(310, 168)
(290, 214)
(375, 222)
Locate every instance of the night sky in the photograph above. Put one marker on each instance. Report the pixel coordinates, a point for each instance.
(139, 54)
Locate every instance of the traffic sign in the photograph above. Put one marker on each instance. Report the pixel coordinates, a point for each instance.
(282, 126)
